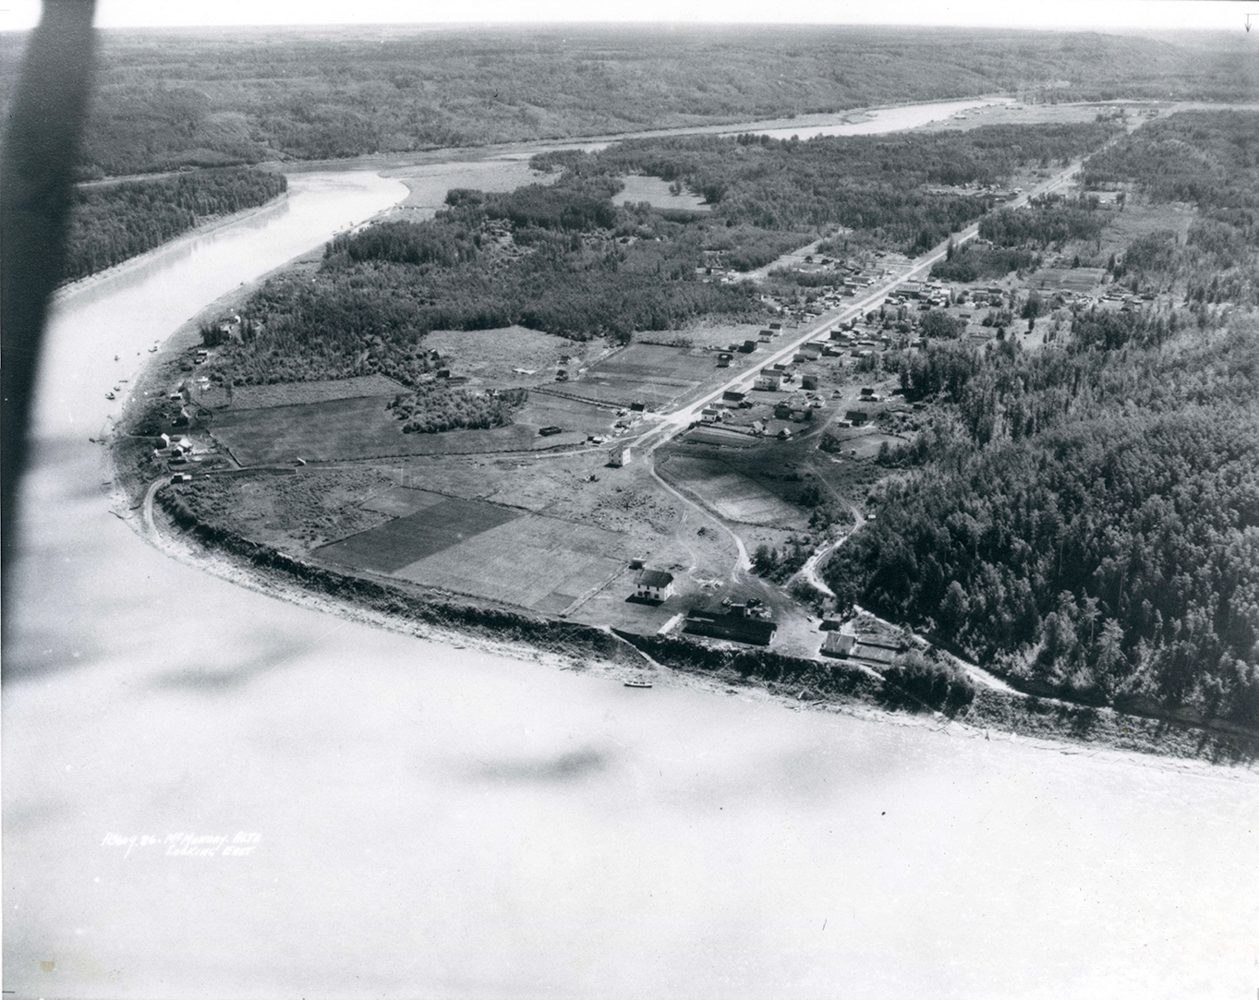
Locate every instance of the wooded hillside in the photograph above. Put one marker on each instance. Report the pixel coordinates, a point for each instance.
(220, 97)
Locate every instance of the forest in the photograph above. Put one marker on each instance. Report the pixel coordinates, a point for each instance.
(433, 408)
(1087, 519)
(565, 259)
(174, 98)
(880, 186)
(380, 290)
(112, 222)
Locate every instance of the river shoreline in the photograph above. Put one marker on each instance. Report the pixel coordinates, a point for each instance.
(207, 226)
(456, 621)
(515, 633)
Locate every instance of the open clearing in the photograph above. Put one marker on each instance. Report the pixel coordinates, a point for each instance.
(429, 183)
(438, 525)
(730, 493)
(534, 561)
(1070, 279)
(711, 333)
(364, 428)
(483, 549)
(257, 397)
(656, 192)
(649, 373)
(495, 355)
(546, 409)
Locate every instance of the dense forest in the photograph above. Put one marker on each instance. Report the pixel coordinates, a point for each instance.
(881, 186)
(554, 269)
(434, 408)
(565, 259)
(170, 98)
(1087, 518)
(112, 222)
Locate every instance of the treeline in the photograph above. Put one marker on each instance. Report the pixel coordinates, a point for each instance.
(319, 93)
(564, 259)
(978, 263)
(1045, 223)
(111, 223)
(1088, 520)
(381, 289)
(878, 185)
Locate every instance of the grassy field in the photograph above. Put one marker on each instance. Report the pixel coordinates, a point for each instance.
(445, 522)
(428, 183)
(493, 355)
(362, 428)
(735, 496)
(713, 333)
(656, 192)
(537, 562)
(1138, 220)
(1072, 279)
(574, 416)
(257, 397)
(482, 549)
(649, 373)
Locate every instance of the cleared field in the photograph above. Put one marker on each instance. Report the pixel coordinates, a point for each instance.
(430, 182)
(647, 372)
(546, 410)
(733, 495)
(254, 397)
(656, 192)
(711, 334)
(406, 540)
(402, 501)
(494, 355)
(1140, 219)
(652, 361)
(865, 444)
(534, 561)
(725, 437)
(358, 428)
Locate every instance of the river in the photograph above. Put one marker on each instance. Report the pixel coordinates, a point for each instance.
(405, 818)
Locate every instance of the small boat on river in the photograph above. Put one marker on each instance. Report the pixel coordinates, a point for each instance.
(638, 684)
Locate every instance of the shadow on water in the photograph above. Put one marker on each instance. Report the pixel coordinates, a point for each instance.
(571, 766)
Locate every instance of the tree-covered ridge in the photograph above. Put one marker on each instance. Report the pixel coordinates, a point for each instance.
(1209, 158)
(1091, 520)
(881, 185)
(164, 100)
(111, 223)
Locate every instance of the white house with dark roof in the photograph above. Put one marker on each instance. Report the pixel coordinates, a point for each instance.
(653, 585)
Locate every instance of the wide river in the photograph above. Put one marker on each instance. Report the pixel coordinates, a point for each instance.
(416, 819)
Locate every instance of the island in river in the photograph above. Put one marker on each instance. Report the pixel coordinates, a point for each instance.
(634, 433)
